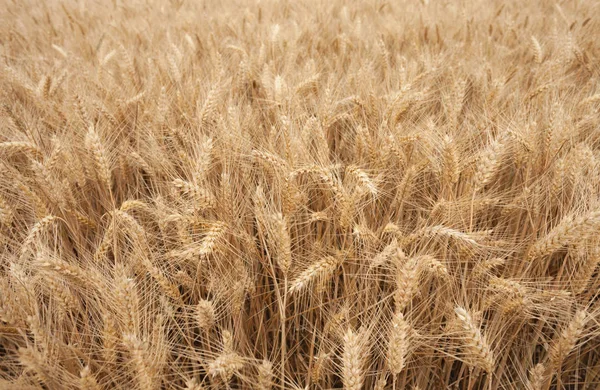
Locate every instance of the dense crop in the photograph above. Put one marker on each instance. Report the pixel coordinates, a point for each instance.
(299, 195)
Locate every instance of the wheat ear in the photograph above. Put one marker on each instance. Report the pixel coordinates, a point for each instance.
(321, 270)
(536, 377)
(225, 365)
(353, 374)
(475, 342)
(87, 380)
(205, 314)
(265, 375)
(93, 143)
(138, 350)
(568, 231)
(406, 283)
(567, 339)
(398, 343)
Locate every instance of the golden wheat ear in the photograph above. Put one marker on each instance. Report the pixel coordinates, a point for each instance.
(399, 343)
(568, 337)
(353, 370)
(478, 350)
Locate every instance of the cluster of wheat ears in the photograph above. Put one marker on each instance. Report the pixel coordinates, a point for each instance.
(299, 195)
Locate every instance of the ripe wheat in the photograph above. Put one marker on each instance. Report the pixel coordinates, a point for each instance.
(299, 194)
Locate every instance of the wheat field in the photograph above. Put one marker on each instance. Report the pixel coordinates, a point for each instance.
(298, 195)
